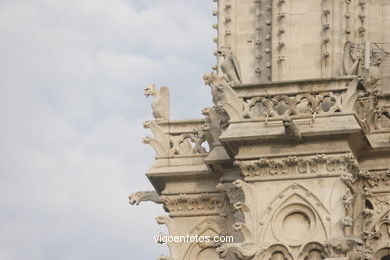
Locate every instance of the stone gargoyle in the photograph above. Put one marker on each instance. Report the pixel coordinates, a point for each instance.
(230, 67)
(291, 131)
(137, 197)
(160, 102)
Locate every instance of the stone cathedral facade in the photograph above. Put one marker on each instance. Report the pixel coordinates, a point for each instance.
(293, 159)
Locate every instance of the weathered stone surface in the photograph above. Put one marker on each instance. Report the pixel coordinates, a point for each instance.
(293, 159)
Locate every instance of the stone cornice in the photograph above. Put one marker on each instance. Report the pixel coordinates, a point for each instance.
(186, 205)
(295, 167)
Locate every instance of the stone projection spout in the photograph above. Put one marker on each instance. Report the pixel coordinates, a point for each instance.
(137, 197)
(160, 102)
(292, 132)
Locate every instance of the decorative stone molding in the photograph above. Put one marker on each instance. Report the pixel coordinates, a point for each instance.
(327, 37)
(281, 24)
(249, 227)
(301, 104)
(294, 167)
(360, 97)
(172, 229)
(263, 40)
(195, 204)
(248, 249)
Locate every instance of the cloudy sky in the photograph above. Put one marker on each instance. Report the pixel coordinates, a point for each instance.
(72, 74)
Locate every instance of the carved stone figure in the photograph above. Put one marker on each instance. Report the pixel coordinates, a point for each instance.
(160, 102)
(244, 251)
(180, 144)
(345, 244)
(230, 67)
(137, 197)
(217, 84)
(291, 131)
(198, 137)
(370, 78)
(216, 120)
(353, 57)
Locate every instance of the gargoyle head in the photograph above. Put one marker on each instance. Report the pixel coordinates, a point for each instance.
(150, 90)
(146, 140)
(287, 122)
(134, 198)
(376, 58)
(222, 250)
(356, 52)
(207, 77)
(210, 78)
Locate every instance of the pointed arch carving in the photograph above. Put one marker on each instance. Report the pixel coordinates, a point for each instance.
(295, 205)
(382, 253)
(307, 249)
(208, 227)
(281, 251)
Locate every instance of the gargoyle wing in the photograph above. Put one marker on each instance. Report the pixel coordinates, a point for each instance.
(164, 98)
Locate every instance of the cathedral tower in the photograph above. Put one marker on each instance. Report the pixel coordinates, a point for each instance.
(293, 159)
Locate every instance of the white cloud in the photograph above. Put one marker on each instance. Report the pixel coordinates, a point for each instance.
(71, 110)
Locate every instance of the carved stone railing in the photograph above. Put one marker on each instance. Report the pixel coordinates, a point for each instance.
(295, 98)
(300, 105)
(179, 138)
(302, 99)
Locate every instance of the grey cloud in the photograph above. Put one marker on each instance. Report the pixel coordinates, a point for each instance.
(71, 111)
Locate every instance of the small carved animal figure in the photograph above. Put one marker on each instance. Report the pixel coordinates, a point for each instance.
(370, 79)
(238, 250)
(198, 137)
(216, 84)
(345, 244)
(291, 131)
(230, 67)
(160, 102)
